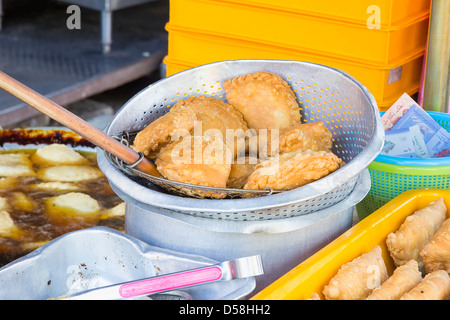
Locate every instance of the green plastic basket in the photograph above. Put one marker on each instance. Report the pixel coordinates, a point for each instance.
(391, 176)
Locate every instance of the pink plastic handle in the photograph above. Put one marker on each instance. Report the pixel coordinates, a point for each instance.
(170, 282)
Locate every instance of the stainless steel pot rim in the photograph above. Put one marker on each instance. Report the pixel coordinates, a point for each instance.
(275, 226)
(140, 194)
(346, 174)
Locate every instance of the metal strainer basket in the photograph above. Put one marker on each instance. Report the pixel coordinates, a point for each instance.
(324, 94)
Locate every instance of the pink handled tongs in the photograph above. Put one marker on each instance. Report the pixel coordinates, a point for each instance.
(228, 270)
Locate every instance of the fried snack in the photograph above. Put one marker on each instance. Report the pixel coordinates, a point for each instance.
(415, 232)
(241, 169)
(401, 281)
(215, 117)
(199, 160)
(356, 279)
(314, 296)
(291, 170)
(265, 100)
(72, 204)
(434, 286)
(16, 165)
(55, 186)
(69, 173)
(8, 228)
(117, 211)
(313, 136)
(159, 132)
(21, 201)
(436, 254)
(196, 115)
(57, 154)
(4, 204)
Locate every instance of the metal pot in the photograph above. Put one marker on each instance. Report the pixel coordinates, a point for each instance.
(282, 243)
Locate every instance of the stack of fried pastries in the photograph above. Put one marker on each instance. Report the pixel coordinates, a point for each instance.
(254, 140)
(420, 250)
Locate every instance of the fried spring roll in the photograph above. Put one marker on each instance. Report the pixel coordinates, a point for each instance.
(356, 279)
(401, 281)
(436, 254)
(435, 286)
(416, 231)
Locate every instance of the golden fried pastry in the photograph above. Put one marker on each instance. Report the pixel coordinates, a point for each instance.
(117, 211)
(436, 254)
(199, 160)
(159, 133)
(434, 286)
(292, 170)
(8, 228)
(265, 100)
(314, 296)
(16, 165)
(356, 279)
(196, 115)
(4, 204)
(401, 281)
(215, 117)
(21, 201)
(241, 169)
(69, 173)
(313, 136)
(72, 204)
(55, 186)
(415, 232)
(57, 154)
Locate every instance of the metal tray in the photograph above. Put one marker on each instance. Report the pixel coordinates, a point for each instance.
(100, 256)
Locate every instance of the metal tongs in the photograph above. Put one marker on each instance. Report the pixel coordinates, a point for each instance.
(228, 270)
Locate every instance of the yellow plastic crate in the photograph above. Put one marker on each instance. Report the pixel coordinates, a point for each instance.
(302, 32)
(392, 12)
(387, 84)
(313, 274)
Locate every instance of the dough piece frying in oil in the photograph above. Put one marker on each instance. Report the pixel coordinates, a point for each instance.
(57, 154)
(69, 173)
(16, 165)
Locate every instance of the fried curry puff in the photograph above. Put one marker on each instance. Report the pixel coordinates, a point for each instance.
(265, 100)
(194, 116)
(259, 120)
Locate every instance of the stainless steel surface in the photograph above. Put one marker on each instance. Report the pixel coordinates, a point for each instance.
(229, 270)
(243, 267)
(324, 94)
(100, 256)
(282, 243)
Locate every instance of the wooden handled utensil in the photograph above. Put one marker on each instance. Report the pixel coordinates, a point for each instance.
(75, 123)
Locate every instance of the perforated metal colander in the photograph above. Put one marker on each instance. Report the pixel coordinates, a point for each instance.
(324, 94)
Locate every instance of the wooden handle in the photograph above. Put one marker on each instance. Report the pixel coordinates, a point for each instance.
(75, 123)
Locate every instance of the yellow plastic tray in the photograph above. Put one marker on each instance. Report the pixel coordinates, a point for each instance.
(314, 273)
(302, 32)
(190, 49)
(392, 12)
